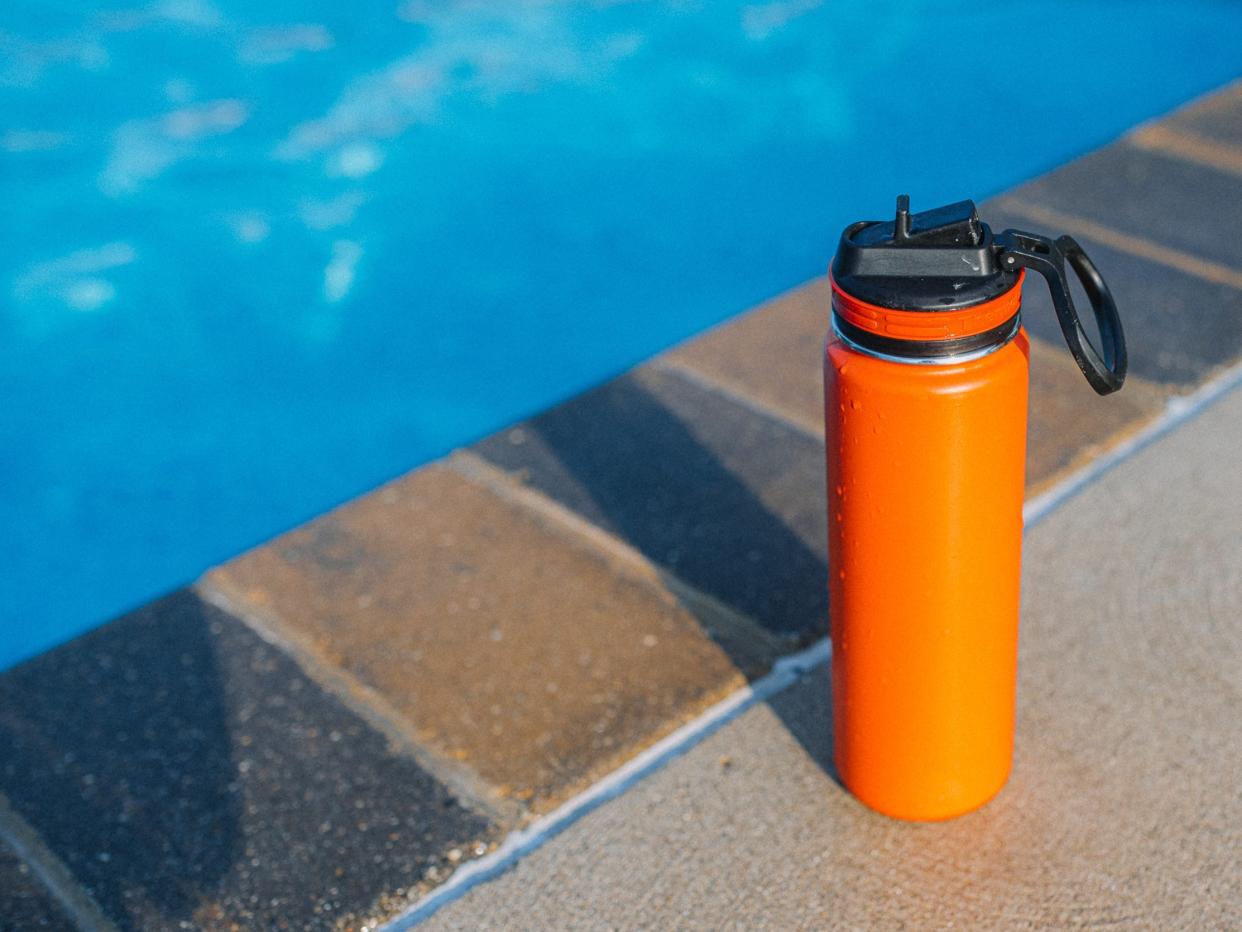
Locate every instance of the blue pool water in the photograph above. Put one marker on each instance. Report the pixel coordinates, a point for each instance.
(256, 258)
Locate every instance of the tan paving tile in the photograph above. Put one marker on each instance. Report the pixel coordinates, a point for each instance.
(1180, 314)
(773, 355)
(507, 644)
(1149, 195)
(1069, 423)
(1205, 126)
(724, 497)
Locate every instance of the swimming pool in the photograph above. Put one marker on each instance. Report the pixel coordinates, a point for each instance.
(258, 258)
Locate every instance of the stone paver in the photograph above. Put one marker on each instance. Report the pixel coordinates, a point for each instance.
(1069, 424)
(1124, 808)
(774, 354)
(1217, 117)
(728, 499)
(1159, 197)
(186, 771)
(24, 903)
(508, 645)
(1178, 327)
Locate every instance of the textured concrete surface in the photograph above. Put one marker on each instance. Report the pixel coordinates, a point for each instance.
(510, 646)
(1124, 809)
(186, 771)
(24, 903)
(726, 497)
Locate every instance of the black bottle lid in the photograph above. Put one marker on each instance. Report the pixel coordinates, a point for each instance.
(939, 260)
(947, 259)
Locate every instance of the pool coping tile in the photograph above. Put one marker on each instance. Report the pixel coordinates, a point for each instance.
(186, 771)
(1208, 129)
(722, 496)
(608, 539)
(440, 597)
(25, 902)
(1068, 423)
(1146, 194)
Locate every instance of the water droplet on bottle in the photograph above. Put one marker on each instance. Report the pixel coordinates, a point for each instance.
(856, 404)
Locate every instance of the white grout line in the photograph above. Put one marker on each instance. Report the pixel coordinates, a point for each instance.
(621, 556)
(717, 386)
(361, 699)
(785, 673)
(49, 870)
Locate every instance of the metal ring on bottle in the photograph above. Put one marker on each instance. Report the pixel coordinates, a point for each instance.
(996, 341)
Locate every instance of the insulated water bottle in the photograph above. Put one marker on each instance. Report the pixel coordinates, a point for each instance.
(925, 386)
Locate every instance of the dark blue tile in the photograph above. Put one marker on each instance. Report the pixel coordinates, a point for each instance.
(24, 903)
(1178, 327)
(1167, 200)
(187, 771)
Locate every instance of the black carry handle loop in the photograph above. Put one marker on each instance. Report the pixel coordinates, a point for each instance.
(1048, 258)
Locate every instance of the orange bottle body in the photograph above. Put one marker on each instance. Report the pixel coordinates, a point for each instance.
(925, 490)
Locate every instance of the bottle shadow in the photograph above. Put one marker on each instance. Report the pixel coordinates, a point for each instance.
(805, 710)
(727, 500)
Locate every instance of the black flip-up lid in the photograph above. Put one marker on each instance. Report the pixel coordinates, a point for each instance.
(947, 258)
(938, 260)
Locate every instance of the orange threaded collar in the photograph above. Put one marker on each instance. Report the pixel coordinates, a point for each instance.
(927, 326)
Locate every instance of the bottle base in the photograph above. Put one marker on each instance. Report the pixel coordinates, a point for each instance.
(907, 810)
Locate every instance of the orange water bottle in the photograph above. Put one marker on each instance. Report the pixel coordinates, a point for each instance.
(925, 385)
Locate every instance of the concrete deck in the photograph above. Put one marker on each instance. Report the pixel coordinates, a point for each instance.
(1124, 809)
